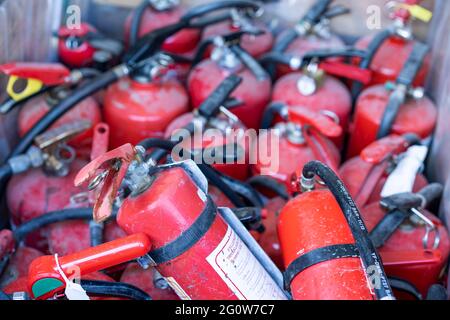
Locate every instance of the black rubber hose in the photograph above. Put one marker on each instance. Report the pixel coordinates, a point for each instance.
(216, 180)
(50, 218)
(243, 189)
(4, 296)
(61, 108)
(270, 184)
(275, 58)
(5, 173)
(218, 5)
(395, 102)
(96, 233)
(157, 143)
(136, 21)
(88, 73)
(213, 177)
(255, 68)
(437, 292)
(200, 53)
(113, 289)
(207, 21)
(372, 50)
(405, 286)
(273, 110)
(367, 251)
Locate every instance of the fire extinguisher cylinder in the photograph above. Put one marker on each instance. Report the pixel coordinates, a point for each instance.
(369, 255)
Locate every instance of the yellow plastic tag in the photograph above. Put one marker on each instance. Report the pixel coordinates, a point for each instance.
(33, 86)
(418, 12)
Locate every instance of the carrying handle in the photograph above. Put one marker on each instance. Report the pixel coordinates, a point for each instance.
(409, 200)
(387, 147)
(107, 172)
(318, 121)
(403, 83)
(49, 74)
(211, 106)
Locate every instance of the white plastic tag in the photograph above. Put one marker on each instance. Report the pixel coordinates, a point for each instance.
(73, 290)
(403, 177)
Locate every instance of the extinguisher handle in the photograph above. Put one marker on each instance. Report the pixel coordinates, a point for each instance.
(44, 279)
(50, 74)
(109, 170)
(408, 200)
(413, 64)
(210, 107)
(384, 148)
(322, 123)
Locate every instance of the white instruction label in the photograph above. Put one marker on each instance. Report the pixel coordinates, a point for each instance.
(241, 271)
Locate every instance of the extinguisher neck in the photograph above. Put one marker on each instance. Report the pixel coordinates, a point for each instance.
(402, 29)
(294, 133)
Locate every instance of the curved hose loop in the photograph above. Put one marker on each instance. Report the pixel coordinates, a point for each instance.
(137, 20)
(405, 286)
(395, 102)
(243, 189)
(367, 251)
(202, 48)
(50, 218)
(372, 50)
(273, 110)
(271, 184)
(113, 289)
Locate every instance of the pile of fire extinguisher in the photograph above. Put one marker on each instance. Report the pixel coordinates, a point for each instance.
(100, 205)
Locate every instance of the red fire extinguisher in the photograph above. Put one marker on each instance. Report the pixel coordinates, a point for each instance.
(390, 49)
(42, 178)
(326, 247)
(42, 85)
(396, 108)
(201, 240)
(313, 86)
(144, 104)
(312, 32)
(413, 243)
(229, 58)
(155, 14)
(366, 175)
(255, 44)
(84, 46)
(304, 136)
